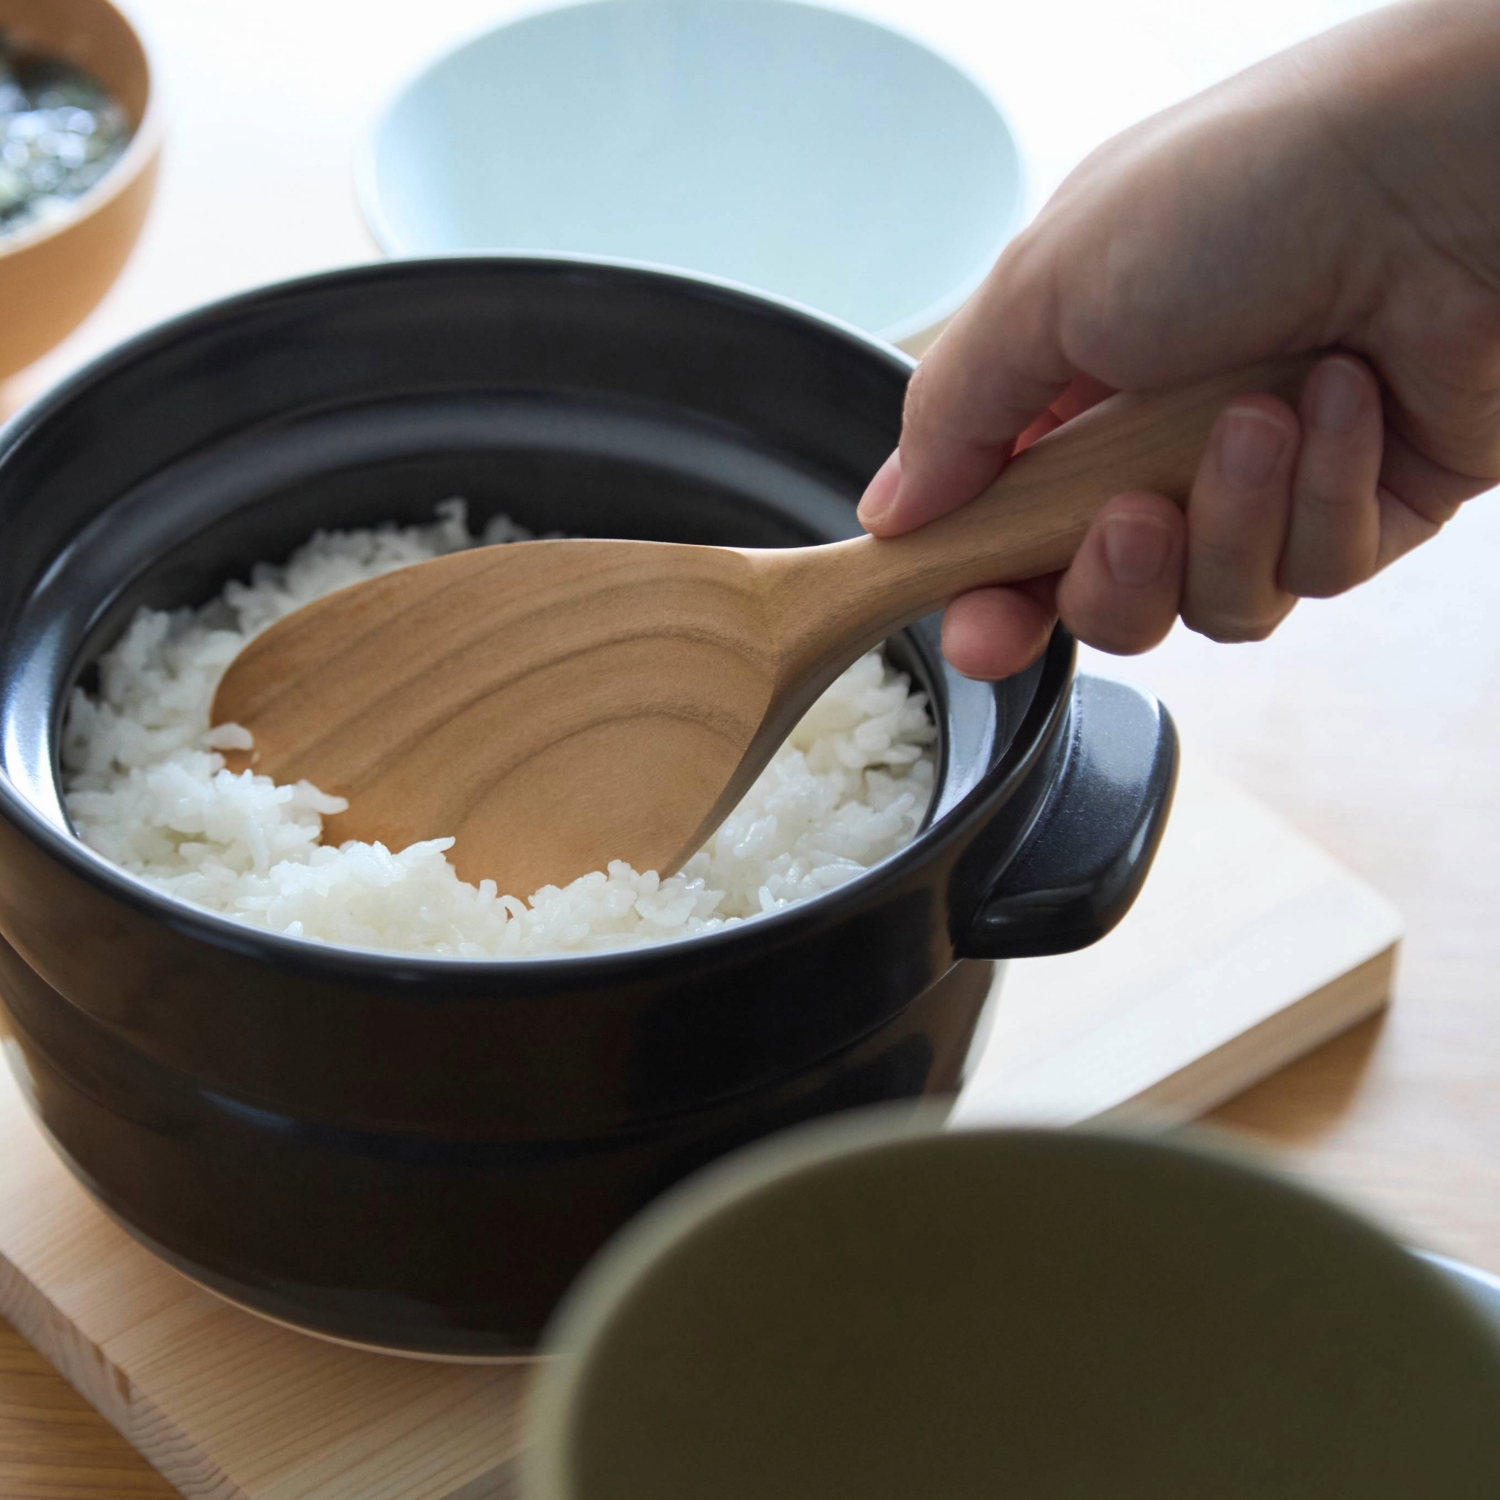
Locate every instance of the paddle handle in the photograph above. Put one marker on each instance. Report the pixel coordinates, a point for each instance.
(1031, 520)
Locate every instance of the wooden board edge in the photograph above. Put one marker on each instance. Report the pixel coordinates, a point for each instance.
(110, 1391)
(503, 1482)
(383, 1351)
(1255, 1054)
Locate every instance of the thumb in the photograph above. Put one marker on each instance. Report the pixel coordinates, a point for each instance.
(997, 367)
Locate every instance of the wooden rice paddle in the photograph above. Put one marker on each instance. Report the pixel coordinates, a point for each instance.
(559, 704)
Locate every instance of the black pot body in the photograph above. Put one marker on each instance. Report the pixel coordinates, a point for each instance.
(420, 1153)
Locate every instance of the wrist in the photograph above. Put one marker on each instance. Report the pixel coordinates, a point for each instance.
(1411, 96)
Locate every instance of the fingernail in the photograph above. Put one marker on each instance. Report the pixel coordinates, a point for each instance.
(1250, 446)
(1136, 549)
(880, 493)
(1338, 396)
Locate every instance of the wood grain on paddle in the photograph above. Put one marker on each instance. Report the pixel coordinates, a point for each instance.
(555, 705)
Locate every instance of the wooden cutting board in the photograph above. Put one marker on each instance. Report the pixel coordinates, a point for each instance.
(1248, 947)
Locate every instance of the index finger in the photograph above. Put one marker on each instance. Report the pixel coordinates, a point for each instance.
(996, 368)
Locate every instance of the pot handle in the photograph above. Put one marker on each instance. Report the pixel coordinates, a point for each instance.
(1083, 860)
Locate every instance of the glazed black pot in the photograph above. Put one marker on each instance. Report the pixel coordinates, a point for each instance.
(420, 1153)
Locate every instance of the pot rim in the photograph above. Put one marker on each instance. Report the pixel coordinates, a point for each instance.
(346, 962)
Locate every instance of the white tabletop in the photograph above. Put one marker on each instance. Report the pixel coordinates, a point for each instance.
(311, 75)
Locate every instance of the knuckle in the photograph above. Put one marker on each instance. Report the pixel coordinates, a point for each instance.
(1121, 642)
(1340, 504)
(1118, 634)
(1324, 580)
(1429, 511)
(1234, 628)
(1243, 632)
(1318, 588)
(1227, 556)
(919, 401)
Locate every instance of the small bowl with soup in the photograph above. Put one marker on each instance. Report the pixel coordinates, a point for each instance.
(79, 143)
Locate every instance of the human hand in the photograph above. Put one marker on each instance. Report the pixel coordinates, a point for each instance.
(1339, 194)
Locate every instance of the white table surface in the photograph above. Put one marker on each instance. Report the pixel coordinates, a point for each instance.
(306, 77)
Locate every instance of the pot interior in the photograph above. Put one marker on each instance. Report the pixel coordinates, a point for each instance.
(191, 473)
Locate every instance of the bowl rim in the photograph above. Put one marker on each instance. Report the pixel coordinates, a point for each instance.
(926, 321)
(142, 149)
(341, 962)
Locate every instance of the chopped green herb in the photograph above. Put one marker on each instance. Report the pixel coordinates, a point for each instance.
(60, 132)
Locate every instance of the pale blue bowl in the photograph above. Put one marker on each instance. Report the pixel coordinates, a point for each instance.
(776, 144)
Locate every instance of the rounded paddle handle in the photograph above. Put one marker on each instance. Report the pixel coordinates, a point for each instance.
(1033, 518)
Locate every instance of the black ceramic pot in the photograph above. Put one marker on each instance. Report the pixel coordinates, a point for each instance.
(420, 1153)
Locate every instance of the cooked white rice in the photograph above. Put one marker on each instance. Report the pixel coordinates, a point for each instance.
(148, 789)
